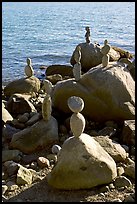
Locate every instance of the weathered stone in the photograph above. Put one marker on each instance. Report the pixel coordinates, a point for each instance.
(54, 78)
(11, 167)
(26, 85)
(43, 162)
(76, 104)
(91, 56)
(120, 170)
(29, 69)
(12, 154)
(77, 71)
(47, 107)
(130, 170)
(33, 119)
(122, 181)
(23, 118)
(82, 164)
(18, 104)
(105, 50)
(105, 60)
(47, 86)
(103, 100)
(113, 148)
(55, 149)
(24, 176)
(37, 136)
(77, 124)
(63, 70)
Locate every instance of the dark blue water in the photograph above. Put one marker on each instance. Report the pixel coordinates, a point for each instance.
(48, 32)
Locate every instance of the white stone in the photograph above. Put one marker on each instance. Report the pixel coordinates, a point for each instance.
(76, 104)
(77, 124)
(77, 71)
(56, 149)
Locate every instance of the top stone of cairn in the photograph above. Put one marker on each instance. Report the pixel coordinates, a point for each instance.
(76, 104)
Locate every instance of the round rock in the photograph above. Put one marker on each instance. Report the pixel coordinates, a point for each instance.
(56, 149)
(76, 104)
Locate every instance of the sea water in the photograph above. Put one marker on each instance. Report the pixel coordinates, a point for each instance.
(48, 32)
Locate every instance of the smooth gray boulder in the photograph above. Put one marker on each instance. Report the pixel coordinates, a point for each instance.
(27, 85)
(38, 136)
(108, 93)
(82, 163)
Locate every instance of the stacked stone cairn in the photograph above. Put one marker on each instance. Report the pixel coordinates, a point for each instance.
(105, 50)
(47, 86)
(29, 69)
(77, 66)
(47, 107)
(77, 120)
(87, 35)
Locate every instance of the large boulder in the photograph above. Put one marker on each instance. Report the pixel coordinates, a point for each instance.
(6, 116)
(26, 85)
(114, 149)
(82, 163)
(91, 56)
(63, 70)
(38, 136)
(108, 93)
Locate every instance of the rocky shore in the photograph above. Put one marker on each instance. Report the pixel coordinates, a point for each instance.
(71, 136)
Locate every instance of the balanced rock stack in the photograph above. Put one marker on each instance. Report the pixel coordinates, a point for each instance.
(105, 50)
(82, 162)
(77, 66)
(29, 69)
(47, 107)
(77, 120)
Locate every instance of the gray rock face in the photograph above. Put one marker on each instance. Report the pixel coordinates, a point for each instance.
(38, 136)
(23, 85)
(82, 164)
(115, 150)
(108, 93)
(18, 104)
(91, 56)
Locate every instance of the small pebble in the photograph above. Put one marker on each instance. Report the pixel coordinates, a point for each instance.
(43, 162)
(56, 149)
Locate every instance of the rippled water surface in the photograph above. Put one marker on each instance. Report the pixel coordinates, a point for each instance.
(48, 32)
